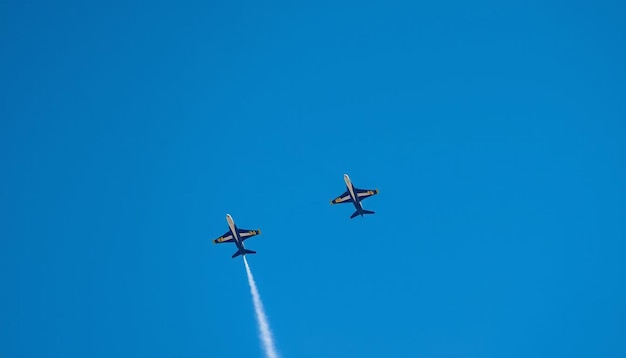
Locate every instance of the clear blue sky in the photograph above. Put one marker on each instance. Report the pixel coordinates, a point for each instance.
(495, 133)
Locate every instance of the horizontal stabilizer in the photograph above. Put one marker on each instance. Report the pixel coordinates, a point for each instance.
(356, 213)
(245, 252)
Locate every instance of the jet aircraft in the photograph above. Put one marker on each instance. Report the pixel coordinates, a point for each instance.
(238, 236)
(354, 196)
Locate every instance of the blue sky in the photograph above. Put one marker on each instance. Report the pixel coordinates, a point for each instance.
(494, 132)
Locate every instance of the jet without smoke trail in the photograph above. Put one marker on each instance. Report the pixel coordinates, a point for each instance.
(264, 327)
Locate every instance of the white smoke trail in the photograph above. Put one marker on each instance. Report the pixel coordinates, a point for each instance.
(264, 327)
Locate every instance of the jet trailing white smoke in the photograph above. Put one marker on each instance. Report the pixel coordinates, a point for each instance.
(264, 327)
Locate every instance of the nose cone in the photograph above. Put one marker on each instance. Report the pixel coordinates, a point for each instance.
(229, 219)
(346, 178)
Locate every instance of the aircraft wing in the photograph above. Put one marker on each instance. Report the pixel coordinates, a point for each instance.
(227, 237)
(343, 198)
(246, 234)
(365, 193)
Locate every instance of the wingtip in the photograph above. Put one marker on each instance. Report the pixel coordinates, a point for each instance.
(258, 232)
(215, 241)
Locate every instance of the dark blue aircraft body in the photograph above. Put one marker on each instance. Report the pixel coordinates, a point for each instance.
(238, 236)
(354, 196)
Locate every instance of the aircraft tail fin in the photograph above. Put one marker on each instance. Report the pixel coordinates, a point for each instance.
(245, 251)
(356, 213)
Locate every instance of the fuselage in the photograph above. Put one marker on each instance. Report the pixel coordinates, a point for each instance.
(355, 198)
(234, 232)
